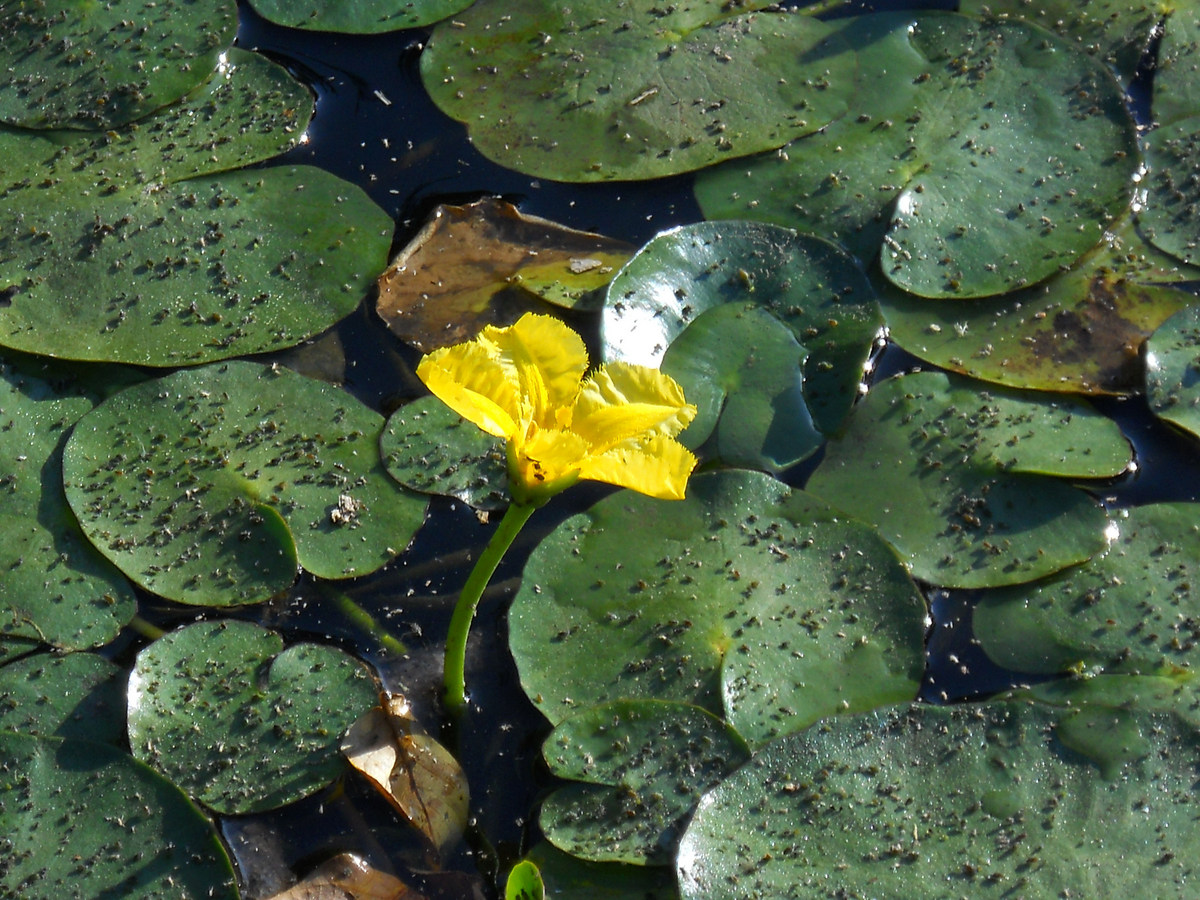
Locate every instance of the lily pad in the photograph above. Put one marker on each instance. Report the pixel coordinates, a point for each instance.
(237, 721)
(997, 156)
(130, 247)
(746, 598)
(1175, 77)
(79, 695)
(741, 368)
(975, 801)
(84, 819)
(1173, 370)
(593, 93)
(808, 284)
(430, 448)
(449, 281)
(210, 485)
(55, 587)
(102, 65)
(1135, 608)
(1177, 692)
(1116, 31)
(568, 877)
(1169, 202)
(1080, 331)
(359, 17)
(639, 766)
(953, 478)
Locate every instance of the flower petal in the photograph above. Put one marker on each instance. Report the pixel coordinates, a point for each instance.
(544, 357)
(622, 401)
(477, 386)
(658, 466)
(549, 456)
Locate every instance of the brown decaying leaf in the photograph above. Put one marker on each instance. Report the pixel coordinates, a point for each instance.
(420, 776)
(347, 877)
(445, 286)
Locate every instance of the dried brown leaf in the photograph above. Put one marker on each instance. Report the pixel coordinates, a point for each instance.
(421, 777)
(487, 264)
(347, 877)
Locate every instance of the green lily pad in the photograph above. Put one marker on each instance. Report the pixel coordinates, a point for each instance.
(952, 477)
(741, 368)
(130, 247)
(1176, 80)
(1080, 331)
(239, 723)
(1177, 693)
(1170, 201)
(79, 695)
(568, 877)
(997, 156)
(1171, 212)
(1173, 370)
(973, 801)
(746, 598)
(430, 448)
(102, 65)
(1116, 31)
(639, 766)
(1131, 609)
(84, 819)
(593, 93)
(359, 16)
(210, 485)
(524, 882)
(808, 284)
(54, 586)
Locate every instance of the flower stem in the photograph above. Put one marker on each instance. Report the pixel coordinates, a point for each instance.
(146, 629)
(454, 676)
(362, 619)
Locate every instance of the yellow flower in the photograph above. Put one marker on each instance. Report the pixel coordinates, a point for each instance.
(527, 384)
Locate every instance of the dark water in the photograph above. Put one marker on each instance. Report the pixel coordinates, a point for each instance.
(376, 127)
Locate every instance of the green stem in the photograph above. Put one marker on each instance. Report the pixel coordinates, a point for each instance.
(347, 606)
(146, 629)
(454, 675)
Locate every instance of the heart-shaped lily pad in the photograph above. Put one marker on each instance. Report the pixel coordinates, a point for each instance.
(808, 284)
(84, 819)
(209, 485)
(972, 801)
(571, 878)
(746, 598)
(1173, 370)
(1117, 31)
(948, 474)
(239, 723)
(1175, 77)
(430, 448)
(1079, 331)
(1177, 692)
(591, 92)
(129, 247)
(359, 17)
(1169, 208)
(741, 368)
(54, 586)
(1135, 608)
(101, 65)
(639, 767)
(997, 155)
(79, 695)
